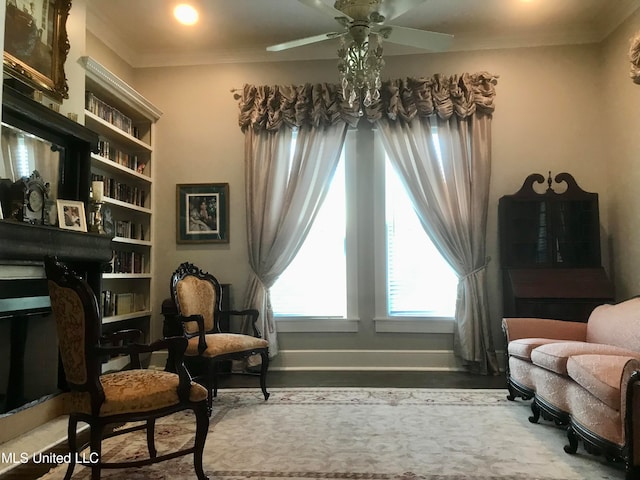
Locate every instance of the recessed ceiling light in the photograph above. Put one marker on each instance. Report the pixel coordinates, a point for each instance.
(185, 14)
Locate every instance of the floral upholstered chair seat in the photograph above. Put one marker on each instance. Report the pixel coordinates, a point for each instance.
(136, 391)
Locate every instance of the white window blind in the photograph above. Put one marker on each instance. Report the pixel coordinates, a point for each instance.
(419, 281)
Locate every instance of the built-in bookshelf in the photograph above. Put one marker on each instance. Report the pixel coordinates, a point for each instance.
(125, 122)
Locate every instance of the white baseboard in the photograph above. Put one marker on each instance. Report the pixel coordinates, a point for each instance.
(366, 360)
(359, 360)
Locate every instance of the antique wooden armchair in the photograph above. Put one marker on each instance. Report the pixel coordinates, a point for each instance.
(136, 395)
(197, 296)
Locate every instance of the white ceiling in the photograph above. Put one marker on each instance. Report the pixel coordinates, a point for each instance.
(144, 33)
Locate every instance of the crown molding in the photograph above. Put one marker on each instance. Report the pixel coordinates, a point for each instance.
(461, 43)
(617, 12)
(114, 84)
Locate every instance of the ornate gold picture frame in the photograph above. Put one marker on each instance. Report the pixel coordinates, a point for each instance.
(36, 44)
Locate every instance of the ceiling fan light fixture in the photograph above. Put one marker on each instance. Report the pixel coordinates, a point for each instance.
(360, 59)
(359, 66)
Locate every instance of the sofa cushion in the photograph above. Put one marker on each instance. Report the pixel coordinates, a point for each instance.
(600, 375)
(617, 324)
(523, 347)
(554, 356)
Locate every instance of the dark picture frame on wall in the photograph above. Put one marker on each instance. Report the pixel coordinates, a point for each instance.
(202, 213)
(36, 44)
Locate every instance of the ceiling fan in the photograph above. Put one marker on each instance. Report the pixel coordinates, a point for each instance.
(361, 18)
(360, 55)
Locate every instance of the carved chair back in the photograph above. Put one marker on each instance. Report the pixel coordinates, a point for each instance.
(77, 316)
(195, 292)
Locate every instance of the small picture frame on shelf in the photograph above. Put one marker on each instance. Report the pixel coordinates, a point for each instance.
(71, 215)
(202, 213)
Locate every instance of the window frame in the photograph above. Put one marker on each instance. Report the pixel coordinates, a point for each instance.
(384, 323)
(365, 220)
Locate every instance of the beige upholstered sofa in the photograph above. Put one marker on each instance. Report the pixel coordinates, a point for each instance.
(583, 375)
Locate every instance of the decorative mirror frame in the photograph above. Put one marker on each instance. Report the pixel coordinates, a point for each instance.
(36, 194)
(47, 76)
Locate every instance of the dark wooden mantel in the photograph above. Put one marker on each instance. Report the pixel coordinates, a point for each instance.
(25, 242)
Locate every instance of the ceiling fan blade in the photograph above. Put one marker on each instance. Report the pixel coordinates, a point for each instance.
(324, 8)
(394, 8)
(434, 41)
(304, 41)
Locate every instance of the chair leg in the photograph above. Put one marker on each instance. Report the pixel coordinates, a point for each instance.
(73, 446)
(202, 413)
(263, 374)
(151, 438)
(212, 387)
(95, 443)
(214, 377)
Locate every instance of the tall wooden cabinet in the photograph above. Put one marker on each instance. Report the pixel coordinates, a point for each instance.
(124, 121)
(550, 251)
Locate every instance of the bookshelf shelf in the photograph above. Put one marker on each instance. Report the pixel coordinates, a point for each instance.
(122, 276)
(115, 167)
(127, 205)
(104, 128)
(131, 241)
(125, 123)
(126, 316)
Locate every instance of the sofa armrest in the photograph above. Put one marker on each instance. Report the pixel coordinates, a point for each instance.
(515, 328)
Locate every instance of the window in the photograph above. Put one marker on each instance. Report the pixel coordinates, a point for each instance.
(367, 239)
(320, 265)
(419, 280)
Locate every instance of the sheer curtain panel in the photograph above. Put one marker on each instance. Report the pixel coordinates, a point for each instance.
(284, 187)
(450, 194)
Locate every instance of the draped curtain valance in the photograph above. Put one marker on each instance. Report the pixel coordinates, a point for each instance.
(270, 108)
(448, 183)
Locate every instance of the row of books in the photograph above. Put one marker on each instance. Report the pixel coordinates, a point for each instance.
(121, 191)
(121, 303)
(110, 114)
(129, 229)
(128, 160)
(127, 262)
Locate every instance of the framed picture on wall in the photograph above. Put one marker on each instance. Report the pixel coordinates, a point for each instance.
(36, 44)
(202, 213)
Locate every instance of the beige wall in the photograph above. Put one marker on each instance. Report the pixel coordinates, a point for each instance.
(621, 157)
(551, 115)
(107, 57)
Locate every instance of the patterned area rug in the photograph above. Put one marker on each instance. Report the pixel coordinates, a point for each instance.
(363, 434)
